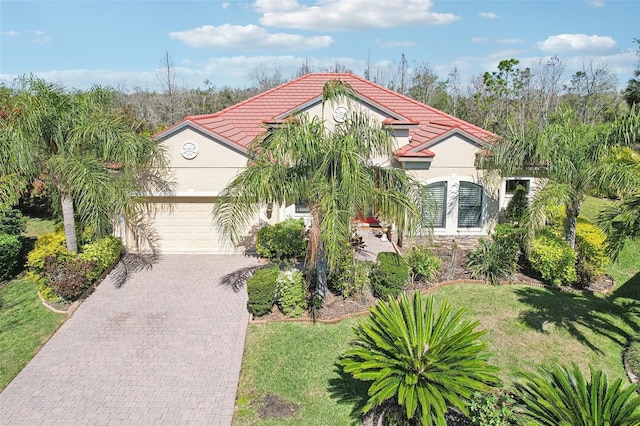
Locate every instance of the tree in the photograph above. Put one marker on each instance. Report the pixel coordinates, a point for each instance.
(419, 359)
(574, 158)
(621, 222)
(559, 396)
(331, 170)
(592, 93)
(632, 91)
(88, 150)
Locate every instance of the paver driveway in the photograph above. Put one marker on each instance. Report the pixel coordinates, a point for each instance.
(164, 348)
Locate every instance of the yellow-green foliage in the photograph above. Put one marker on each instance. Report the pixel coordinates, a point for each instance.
(52, 244)
(103, 252)
(591, 243)
(553, 258)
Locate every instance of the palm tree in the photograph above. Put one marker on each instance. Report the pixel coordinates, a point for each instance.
(419, 358)
(88, 150)
(331, 171)
(620, 222)
(559, 396)
(574, 159)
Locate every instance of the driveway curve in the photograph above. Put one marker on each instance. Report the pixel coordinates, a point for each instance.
(164, 348)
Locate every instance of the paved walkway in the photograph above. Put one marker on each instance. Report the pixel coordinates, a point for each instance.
(164, 348)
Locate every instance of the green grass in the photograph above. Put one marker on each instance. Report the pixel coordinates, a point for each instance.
(25, 325)
(526, 326)
(37, 226)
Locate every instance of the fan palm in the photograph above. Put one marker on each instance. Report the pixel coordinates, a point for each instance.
(87, 149)
(331, 170)
(560, 396)
(420, 358)
(574, 158)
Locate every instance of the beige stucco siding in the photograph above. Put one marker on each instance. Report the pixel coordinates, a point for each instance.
(215, 165)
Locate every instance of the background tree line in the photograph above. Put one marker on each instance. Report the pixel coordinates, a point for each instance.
(511, 99)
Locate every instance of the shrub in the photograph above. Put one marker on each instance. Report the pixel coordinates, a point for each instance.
(389, 274)
(351, 277)
(10, 246)
(284, 240)
(553, 258)
(47, 245)
(492, 409)
(493, 260)
(291, 293)
(518, 205)
(261, 291)
(423, 263)
(103, 252)
(557, 395)
(419, 358)
(632, 356)
(11, 221)
(68, 277)
(591, 246)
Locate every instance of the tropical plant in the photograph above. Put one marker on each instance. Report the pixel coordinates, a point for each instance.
(557, 395)
(518, 205)
(419, 358)
(423, 263)
(492, 260)
(331, 170)
(620, 222)
(85, 146)
(574, 158)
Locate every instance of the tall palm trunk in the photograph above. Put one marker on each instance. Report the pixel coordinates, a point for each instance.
(317, 253)
(572, 210)
(68, 218)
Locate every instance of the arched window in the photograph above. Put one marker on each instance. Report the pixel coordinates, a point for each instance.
(435, 193)
(469, 205)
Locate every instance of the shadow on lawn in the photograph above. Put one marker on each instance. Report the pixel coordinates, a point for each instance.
(616, 316)
(347, 390)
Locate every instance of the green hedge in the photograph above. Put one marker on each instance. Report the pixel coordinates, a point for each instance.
(591, 245)
(553, 258)
(292, 293)
(10, 246)
(389, 275)
(11, 221)
(284, 240)
(261, 291)
(103, 253)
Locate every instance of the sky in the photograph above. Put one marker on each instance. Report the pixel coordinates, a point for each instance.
(122, 43)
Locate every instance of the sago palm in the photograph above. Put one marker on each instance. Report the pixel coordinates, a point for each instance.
(419, 358)
(560, 396)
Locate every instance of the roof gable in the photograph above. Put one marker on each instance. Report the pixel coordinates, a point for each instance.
(241, 123)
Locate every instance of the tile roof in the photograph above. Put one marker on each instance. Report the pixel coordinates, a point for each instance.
(242, 122)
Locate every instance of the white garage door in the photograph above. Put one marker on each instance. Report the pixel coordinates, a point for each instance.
(186, 227)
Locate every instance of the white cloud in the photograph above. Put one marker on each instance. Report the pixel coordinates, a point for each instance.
(597, 3)
(40, 37)
(577, 43)
(478, 40)
(509, 40)
(10, 33)
(226, 5)
(488, 15)
(248, 37)
(395, 44)
(324, 15)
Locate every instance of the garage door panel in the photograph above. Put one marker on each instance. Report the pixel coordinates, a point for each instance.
(186, 227)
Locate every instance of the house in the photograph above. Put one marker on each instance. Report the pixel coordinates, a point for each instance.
(207, 151)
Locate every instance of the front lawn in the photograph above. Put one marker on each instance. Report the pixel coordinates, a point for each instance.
(295, 363)
(25, 325)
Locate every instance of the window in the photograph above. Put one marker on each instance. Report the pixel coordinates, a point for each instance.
(435, 193)
(512, 184)
(302, 208)
(469, 205)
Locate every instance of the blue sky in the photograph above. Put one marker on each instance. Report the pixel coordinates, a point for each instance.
(121, 43)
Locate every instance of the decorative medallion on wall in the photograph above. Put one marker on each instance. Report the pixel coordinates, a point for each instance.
(189, 150)
(340, 114)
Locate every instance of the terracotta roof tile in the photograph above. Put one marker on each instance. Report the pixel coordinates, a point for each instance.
(242, 122)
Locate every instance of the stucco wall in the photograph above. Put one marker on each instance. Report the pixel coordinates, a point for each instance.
(210, 171)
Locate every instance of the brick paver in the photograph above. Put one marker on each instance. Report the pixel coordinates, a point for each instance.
(164, 348)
